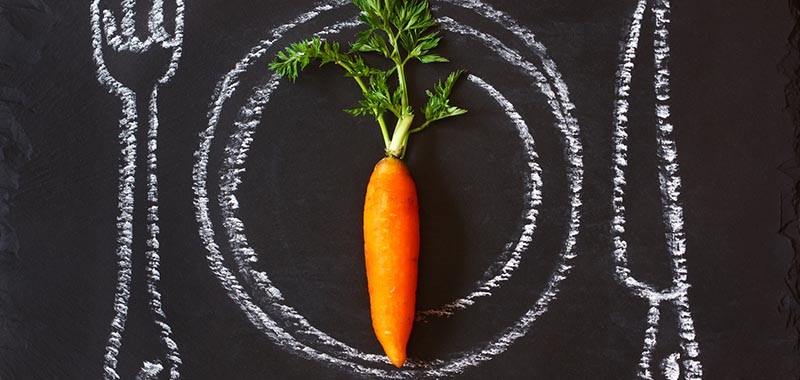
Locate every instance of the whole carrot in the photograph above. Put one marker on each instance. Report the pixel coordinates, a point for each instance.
(391, 252)
(400, 31)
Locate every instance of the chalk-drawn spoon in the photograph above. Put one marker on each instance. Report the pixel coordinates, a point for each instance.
(686, 361)
(122, 37)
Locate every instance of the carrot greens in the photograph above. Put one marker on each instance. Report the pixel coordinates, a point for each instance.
(400, 31)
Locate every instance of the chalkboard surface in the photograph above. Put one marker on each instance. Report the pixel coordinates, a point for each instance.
(609, 208)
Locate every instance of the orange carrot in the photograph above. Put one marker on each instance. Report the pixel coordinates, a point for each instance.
(391, 251)
(400, 31)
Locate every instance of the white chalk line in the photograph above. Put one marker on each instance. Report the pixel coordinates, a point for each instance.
(670, 188)
(150, 371)
(225, 89)
(669, 180)
(127, 41)
(508, 260)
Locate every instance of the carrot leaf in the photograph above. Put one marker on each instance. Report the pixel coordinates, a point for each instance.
(438, 106)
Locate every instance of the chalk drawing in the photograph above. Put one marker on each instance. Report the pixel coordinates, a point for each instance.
(263, 303)
(122, 37)
(672, 210)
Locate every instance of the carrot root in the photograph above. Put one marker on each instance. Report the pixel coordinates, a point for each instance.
(391, 252)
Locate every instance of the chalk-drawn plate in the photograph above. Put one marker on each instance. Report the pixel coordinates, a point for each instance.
(265, 304)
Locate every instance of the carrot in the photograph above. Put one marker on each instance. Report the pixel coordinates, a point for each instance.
(391, 252)
(399, 30)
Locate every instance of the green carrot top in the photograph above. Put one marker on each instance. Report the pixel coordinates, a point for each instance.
(400, 31)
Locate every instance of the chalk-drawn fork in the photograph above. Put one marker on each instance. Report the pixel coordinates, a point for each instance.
(685, 362)
(123, 37)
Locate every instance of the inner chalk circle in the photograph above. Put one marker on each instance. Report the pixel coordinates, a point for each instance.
(500, 269)
(558, 100)
(236, 155)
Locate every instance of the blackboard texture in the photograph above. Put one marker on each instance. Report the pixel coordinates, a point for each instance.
(615, 204)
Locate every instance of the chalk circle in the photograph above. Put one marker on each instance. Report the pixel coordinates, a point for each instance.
(331, 350)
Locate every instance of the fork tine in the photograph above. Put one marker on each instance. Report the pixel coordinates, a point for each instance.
(177, 39)
(112, 35)
(129, 18)
(155, 23)
(135, 44)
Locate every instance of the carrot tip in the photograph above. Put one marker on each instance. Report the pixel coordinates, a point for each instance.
(396, 353)
(397, 360)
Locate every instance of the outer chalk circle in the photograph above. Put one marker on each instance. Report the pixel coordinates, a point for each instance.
(561, 105)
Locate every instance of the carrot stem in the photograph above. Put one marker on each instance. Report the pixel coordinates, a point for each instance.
(401, 81)
(384, 131)
(364, 90)
(400, 136)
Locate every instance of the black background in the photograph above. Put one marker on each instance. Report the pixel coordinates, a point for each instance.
(303, 190)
